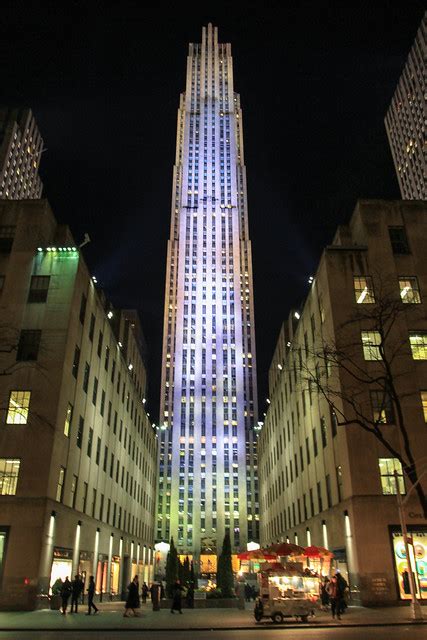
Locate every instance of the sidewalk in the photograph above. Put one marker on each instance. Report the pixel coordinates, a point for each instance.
(111, 618)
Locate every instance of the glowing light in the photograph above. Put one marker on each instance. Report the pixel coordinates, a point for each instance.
(39, 249)
(109, 315)
(280, 367)
(120, 344)
(297, 315)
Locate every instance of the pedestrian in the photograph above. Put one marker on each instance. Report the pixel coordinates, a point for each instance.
(324, 595)
(334, 597)
(90, 596)
(247, 592)
(144, 592)
(162, 590)
(77, 587)
(65, 594)
(189, 598)
(155, 596)
(132, 601)
(176, 597)
(342, 592)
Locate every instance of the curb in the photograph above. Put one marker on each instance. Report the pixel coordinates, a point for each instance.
(236, 628)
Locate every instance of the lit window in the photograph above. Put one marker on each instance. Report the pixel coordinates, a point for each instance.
(388, 467)
(370, 342)
(418, 342)
(364, 290)
(60, 485)
(68, 418)
(19, 402)
(9, 472)
(382, 407)
(409, 290)
(423, 395)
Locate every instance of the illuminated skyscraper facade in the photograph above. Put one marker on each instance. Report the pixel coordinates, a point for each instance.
(207, 480)
(405, 121)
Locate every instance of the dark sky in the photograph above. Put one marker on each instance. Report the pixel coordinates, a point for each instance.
(104, 78)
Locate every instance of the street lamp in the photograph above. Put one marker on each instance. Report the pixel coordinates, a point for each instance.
(416, 613)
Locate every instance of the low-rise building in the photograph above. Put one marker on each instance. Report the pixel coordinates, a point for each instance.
(78, 455)
(325, 479)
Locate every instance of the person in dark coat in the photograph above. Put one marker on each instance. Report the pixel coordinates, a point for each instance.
(90, 596)
(65, 594)
(189, 597)
(132, 601)
(248, 592)
(144, 592)
(342, 589)
(176, 597)
(77, 587)
(324, 595)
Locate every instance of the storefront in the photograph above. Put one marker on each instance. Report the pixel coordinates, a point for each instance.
(115, 576)
(85, 566)
(101, 574)
(418, 557)
(62, 565)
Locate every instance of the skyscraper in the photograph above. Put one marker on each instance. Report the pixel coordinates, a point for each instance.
(208, 406)
(404, 121)
(21, 146)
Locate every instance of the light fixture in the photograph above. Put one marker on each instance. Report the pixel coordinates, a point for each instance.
(94, 279)
(268, 400)
(288, 344)
(144, 400)
(280, 367)
(120, 344)
(39, 249)
(297, 315)
(109, 315)
(130, 366)
(310, 280)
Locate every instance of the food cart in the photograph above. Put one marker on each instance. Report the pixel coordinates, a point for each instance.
(286, 591)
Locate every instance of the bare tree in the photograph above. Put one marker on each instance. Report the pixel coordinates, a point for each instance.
(345, 379)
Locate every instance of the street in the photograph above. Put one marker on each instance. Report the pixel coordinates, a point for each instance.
(369, 633)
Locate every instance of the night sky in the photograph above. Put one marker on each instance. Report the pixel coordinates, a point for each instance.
(103, 79)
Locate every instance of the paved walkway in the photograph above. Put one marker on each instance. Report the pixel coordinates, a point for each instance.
(111, 618)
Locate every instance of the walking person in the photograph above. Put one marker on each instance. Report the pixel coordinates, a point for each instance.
(177, 597)
(342, 591)
(334, 597)
(144, 592)
(132, 601)
(189, 597)
(90, 597)
(65, 594)
(324, 595)
(77, 587)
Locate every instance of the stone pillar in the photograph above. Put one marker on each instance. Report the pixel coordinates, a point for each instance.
(76, 550)
(46, 555)
(110, 555)
(95, 554)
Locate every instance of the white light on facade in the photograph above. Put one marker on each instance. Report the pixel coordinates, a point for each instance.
(297, 315)
(109, 315)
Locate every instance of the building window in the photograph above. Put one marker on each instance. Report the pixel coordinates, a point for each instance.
(89, 443)
(423, 395)
(364, 290)
(74, 491)
(398, 239)
(323, 431)
(38, 289)
(7, 234)
(68, 418)
(83, 305)
(80, 432)
(17, 412)
(28, 346)
(2, 278)
(9, 472)
(76, 362)
(418, 342)
(60, 485)
(382, 407)
(91, 327)
(387, 467)
(409, 290)
(86, 377)
(370, 342)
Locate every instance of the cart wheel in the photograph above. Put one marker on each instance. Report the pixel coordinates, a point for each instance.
(304, 618)
(277, 617)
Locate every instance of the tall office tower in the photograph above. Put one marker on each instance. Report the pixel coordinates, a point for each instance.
(405, 122)
(208, 390)
(21, 146)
